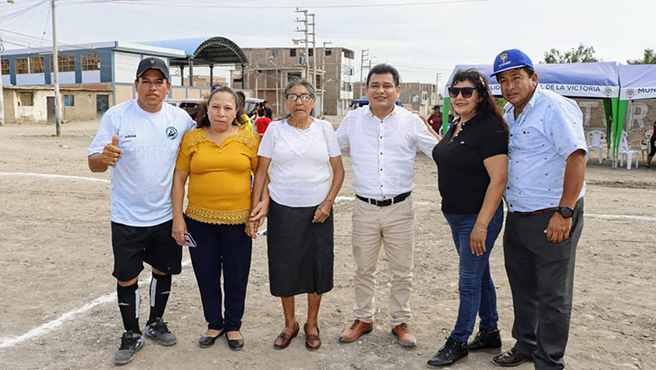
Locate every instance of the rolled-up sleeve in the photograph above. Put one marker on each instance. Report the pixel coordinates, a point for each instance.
(423, 138)
(342, 132)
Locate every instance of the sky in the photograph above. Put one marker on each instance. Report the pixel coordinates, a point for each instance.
(422, 38)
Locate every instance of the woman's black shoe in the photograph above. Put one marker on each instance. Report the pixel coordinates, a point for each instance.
(451, 352)
(485, 339)
(205, 341)
(235, 344)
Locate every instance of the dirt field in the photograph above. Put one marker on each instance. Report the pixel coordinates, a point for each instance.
(57, 311)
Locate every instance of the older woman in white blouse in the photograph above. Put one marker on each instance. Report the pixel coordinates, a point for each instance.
(298, 154)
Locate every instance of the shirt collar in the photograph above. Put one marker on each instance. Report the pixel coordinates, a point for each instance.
(371, 114)
(531, 103)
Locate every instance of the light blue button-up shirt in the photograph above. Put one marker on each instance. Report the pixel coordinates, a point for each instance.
(543, 136)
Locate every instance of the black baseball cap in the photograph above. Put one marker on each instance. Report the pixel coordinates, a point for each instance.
(153, 63)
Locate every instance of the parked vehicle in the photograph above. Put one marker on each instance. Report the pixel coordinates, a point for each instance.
(362, 102)
(191, 106)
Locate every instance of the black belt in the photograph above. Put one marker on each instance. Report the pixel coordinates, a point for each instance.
(387, 202)
(536, 212)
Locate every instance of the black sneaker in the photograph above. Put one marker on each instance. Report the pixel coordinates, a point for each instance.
(451, 352)
(159, 332)
(485, 339)
(130, 344)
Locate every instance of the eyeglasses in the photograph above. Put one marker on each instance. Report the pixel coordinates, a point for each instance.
(304, 97)
(466, 92)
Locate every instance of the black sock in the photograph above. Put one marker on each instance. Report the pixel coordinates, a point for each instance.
(128, 303)
(160, 288)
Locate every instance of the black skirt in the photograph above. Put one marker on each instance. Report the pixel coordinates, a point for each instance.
(300, 252)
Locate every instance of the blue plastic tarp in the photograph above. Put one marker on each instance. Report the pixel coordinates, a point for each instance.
(637, 81)
(585, 80)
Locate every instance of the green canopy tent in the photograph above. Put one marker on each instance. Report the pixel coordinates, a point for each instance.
(576, 80)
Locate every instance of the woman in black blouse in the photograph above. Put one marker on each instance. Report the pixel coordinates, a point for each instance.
(472, 164)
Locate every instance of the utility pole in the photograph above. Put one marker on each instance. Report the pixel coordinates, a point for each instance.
(323, 76)
(55, 63)
(2, 100)
(437, 87)
(314, 51)
(304, 40)
(364, 56)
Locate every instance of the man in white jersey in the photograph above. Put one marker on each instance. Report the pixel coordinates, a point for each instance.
(383, 140)
(138, 140)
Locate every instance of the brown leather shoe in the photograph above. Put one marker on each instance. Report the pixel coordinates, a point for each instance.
(283, 339)
(511, 358)
(312, 341)
(357, 329)
(404, 335)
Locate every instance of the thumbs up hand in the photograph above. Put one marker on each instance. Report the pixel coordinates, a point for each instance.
(111, 153)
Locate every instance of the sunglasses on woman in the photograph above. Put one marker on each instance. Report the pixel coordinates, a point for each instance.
(466, 92)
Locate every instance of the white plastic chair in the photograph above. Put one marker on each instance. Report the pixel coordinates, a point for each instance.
(644, 144)
(626, 151)
(597, 140)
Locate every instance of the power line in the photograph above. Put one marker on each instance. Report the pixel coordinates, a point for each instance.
(230, 6)
(40, 39)
(21, 11)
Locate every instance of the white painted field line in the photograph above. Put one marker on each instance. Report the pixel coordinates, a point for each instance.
(54, 324)
(337, 200)
(50, 176)
(621, 217)
(68, 316)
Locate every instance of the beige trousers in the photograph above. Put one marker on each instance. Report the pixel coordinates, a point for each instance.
(394, 227)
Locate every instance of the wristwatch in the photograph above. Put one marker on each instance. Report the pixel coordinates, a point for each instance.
(566, 212)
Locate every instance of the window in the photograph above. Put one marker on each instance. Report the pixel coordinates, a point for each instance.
(21, 66)
(5, 66)
(37, 65)
(66, 63)
(348, 70)
(328, 52)
(26, 99)
(347, 86)
(310, 52)
(348, 54)
(292, 52)
(274, 53)
(69, 101)
(91, 61)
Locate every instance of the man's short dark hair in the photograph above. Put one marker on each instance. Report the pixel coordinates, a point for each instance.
(382, 69)
(529, 71)
(436, 107)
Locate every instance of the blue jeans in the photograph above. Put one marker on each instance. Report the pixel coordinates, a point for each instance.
(477, 293)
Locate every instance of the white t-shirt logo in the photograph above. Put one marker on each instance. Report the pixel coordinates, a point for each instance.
(171, 133)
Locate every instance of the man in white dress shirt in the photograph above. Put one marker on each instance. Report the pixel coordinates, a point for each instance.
(383, 139)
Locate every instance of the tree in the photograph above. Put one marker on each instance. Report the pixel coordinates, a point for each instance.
(649, 57)
(581, 54)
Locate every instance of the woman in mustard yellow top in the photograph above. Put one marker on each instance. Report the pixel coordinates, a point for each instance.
(218, 158)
